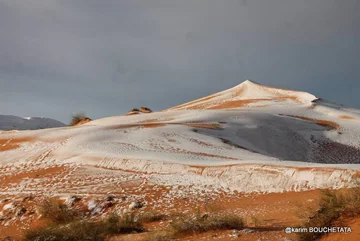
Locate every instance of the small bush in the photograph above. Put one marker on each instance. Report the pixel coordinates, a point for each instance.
(111, 223)
(227, 222)
(124, 224)
(84, 230)
(57, 212)
(135, 109)
(76, 231)
(128, 224)
(352, 207)
(75, 119)
(206, 222)
(332, 206)
(149, 217)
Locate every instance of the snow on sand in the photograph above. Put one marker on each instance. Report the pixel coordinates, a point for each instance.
(248, 138)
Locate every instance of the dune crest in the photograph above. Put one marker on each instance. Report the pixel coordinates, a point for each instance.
(248, 93)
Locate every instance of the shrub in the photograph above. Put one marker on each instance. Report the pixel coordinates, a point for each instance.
(85, 230)
(75, 119)
(135, 109)
(332, 206)
(57, 212)
(127, 223)
(111, 223)
(75, 231)
(206, 222)
(352, 207)
(149, 217)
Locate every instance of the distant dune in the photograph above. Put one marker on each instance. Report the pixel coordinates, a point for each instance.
(10, 122)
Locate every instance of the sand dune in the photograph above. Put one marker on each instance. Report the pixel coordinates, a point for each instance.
(248, 93)
(285, 133)
(245, 140)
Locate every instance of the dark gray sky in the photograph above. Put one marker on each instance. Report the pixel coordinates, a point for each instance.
(58, 57)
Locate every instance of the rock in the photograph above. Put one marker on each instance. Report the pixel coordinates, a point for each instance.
(235, 234)
(72, 200)
(136, 205)
(248, 230)
(8, 206)
(94, 207)
(92, 204)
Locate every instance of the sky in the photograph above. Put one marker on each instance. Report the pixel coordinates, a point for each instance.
(60, 57)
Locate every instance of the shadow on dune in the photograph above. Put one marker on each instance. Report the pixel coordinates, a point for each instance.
(286, 139)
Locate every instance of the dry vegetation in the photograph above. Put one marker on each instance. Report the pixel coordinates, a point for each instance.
(127, 223)
(74, 231)
(151, 216)
(73, 226)
(198, 223)
(333, 206)
(57, 212)
(206, 222)
(66, 224)
(78, 118)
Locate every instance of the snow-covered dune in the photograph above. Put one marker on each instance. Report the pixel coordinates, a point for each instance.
(248, 93)
(274, 139)
(10, 122)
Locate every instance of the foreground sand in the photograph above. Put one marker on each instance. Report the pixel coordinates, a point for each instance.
(265, 215)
